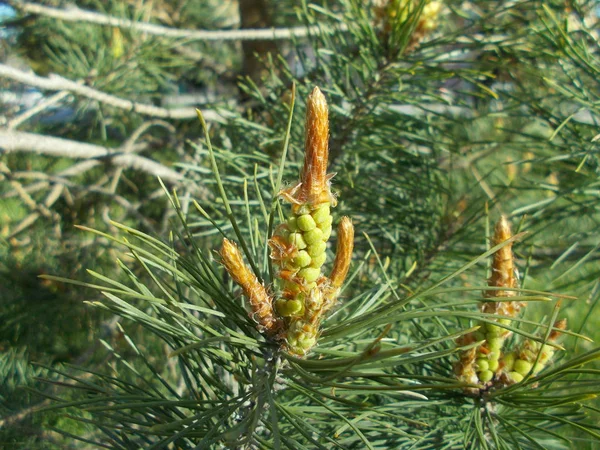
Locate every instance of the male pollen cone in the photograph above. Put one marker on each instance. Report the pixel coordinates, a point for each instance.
(314, 189)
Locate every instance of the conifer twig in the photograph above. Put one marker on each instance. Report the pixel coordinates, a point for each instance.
(38, 209)
(57, 83)
(17, 141)
(60, 180)
(41, 106)
(75, 14)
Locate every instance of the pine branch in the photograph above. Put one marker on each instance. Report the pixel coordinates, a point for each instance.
(23, 414)
(420, 138)
(60, 183)
(39, 209)
(58, 83)
(16, 141)
(132, 208)
(41, 106)
(75, 14)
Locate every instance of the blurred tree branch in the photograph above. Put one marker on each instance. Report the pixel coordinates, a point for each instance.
(13, 141)
(41, 106)
(58, 83)
(75, 14)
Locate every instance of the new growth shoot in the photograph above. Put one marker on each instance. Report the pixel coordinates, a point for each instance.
(304, 295)
(488, 364)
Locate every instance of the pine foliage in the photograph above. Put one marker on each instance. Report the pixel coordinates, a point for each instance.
(444, 117)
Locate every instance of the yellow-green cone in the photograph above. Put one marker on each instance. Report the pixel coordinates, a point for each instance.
(494, 335)
(526, 360)
(300, 246)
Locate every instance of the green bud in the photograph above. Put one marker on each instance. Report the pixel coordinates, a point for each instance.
(504, 321)
(485, 376)
(295, 329)
(318, 261)
(495, 343)
(292, 225)
(297, 240)
(313, 236)
(306, 222)
(321, 214)
(535, 346)
(327, 222)
(492, 330)
(326, 232)
(494, 355)
(509, 361)
(307, 342)
(317, 249)
(522, 367)
(303, 259)
(547, 348)
(300, 210)
(482, 364)
(309, 274)
(528, 355)
(288, 308)
(311, 286)
(515, 377)
(493, 365)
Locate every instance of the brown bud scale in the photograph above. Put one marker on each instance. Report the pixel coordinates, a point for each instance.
(260, 301)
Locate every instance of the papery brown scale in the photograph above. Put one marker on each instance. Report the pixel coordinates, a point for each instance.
(466, 339)
(314, 188)
(260, 301)
(287, 275)
(280, 249)
(290, 295)
(483, 350)
(343, 254)
(503, 273)
(341, 264)
(503, 268)
(464, 368)
(559, 325)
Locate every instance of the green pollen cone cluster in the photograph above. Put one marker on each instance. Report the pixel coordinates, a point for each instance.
(488, 355)
(303, 329)
(480, 365)
(299, 246)
(302, 254)
(532, 357)
(293, 318)
(486, 364)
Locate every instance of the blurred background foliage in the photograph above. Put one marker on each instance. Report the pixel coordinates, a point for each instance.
(441, 120)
